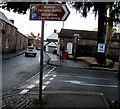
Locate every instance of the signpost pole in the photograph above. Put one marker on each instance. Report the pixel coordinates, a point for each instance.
(49, 12)
(119, 78)
(41, 62)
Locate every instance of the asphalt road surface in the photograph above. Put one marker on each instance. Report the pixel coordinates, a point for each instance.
(18, 69)
(58, 79)
(69, 79)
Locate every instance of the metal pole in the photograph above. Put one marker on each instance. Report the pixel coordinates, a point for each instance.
(41, 62)
(63, 25)
(119, 79)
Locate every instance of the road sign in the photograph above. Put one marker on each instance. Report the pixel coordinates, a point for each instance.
(101, 48)
(49, 12)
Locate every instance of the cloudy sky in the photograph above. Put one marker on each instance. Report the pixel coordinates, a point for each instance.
(74, 21)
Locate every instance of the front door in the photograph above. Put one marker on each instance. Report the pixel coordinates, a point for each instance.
(70, 47)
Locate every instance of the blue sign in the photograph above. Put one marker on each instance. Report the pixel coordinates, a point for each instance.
(101, 48)
(33, 16)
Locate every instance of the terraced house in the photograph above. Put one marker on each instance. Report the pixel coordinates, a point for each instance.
(12, 40)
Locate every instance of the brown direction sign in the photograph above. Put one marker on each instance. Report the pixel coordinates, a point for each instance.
(49, 12)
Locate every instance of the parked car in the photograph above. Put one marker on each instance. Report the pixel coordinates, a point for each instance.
(38, 48)
(31, 51)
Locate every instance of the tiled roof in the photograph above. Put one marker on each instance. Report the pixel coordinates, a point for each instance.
(80, 33)
(52, 38)
(68, 33)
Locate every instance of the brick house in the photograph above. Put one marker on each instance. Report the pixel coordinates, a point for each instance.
(84, 43)
(11, 39)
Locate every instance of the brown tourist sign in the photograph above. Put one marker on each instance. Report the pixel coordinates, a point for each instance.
(49, 12)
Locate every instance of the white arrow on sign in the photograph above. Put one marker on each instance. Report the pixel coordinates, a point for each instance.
(66, 12)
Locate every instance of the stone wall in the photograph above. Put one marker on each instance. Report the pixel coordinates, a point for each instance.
(12, 40)
(87, 47)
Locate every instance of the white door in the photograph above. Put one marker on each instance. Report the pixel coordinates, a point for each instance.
(70, 47)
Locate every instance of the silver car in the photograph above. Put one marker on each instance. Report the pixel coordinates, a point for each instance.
(31, 51)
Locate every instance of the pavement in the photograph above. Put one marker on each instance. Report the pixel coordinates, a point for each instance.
(63, 99)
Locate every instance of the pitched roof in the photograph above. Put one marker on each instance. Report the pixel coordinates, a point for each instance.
(80, 33)
(83, 34)
(52, 38)
(4, 18)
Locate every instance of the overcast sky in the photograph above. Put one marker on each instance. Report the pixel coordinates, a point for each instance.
(74, 21)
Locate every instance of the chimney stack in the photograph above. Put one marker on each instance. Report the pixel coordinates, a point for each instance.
(12, 21)
(55, 31)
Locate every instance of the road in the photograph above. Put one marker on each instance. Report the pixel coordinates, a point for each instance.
(18, 69)
(86, 80)
(58, 79)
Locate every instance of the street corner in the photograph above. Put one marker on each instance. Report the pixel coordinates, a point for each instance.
(73, 99)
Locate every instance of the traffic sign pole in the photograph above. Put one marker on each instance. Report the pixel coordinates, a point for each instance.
(44, 13)
(41, 62)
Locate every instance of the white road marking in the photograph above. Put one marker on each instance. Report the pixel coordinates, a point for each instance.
(87, 77)
(46, 75)
(36, 82)
(54, 76)
(43, 87)
(93, 78)
(31, 86)
(100, 85)
(47, 82)
(24, 91)
(51, 79)
(49, 72)
(85, 84)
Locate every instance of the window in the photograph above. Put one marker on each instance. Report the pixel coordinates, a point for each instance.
(7, 43)
(3, 26)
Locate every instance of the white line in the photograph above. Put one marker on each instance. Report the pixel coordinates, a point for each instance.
(24, 91)
(87, 77)
(100, 85)
(47, 82)
(46, 75)
(92, 78)
(37, 82)
(54, 76)
(49, 72)
(31, 86)
(85, 84)
(43, 87)
(51, 79)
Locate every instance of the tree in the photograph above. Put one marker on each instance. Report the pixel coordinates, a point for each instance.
(109, 28)
(99, 8)
(22, 7)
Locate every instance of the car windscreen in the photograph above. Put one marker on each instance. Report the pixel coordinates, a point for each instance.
(30, 47)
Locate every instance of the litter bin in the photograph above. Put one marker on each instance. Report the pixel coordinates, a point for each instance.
(65, 55)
